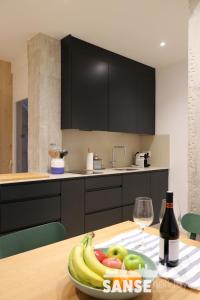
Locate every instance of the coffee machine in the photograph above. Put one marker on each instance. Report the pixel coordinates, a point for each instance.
(142, 159)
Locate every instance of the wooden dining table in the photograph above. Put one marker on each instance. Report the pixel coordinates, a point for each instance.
(41, 274)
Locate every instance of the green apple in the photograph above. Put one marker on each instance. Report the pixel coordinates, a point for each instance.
(133, 262)
(117, 251)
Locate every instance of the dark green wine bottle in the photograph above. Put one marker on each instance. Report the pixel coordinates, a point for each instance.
(169, 235)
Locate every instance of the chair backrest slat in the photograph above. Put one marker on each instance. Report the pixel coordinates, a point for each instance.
(191, 223)
(31, 238)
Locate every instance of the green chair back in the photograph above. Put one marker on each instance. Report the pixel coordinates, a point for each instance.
(31, 238)
(191, 223)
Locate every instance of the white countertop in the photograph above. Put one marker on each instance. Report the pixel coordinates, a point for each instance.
(101, 173)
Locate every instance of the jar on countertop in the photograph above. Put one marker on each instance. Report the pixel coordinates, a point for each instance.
(97, 162)
(57, 166)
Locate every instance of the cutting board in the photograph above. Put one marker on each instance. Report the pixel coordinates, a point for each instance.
(22, 176)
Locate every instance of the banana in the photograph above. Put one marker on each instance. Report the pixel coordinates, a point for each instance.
(71, 267)
(82, 270)
(93, 263)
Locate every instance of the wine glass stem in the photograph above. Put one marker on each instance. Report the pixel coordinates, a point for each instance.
(142, 236)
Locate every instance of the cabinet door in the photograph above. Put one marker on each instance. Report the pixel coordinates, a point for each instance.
(122, 95)
(103, 219)
(135, 185)
(127, 213)
(159, 186)
(146, 100)
(72, 206)
(28, 213)
(89, 90)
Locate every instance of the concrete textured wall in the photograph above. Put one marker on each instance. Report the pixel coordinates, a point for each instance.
(194, 106)
(44, 99)
(20, 91)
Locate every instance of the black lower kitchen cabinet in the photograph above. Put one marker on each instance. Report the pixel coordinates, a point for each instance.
(72, 206)
(151, 184)
(102, 219)
(158, 188)
(28, 213)
(27, 204)
(28, 190)
(103, 199)
(127, 213)
(135, 185)
(81, 204)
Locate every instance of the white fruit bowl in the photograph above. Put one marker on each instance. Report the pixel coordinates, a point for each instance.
(100, 294)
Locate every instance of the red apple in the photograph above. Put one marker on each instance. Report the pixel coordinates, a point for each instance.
(100, 255)
(114, 263)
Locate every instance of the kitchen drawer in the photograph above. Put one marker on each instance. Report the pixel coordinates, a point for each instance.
(31, 190)
(103, 182)
(103, 219)
(19, 215)
(127, 213)
(102, 199)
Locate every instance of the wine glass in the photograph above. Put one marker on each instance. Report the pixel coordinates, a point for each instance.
(143, 214)
(162, 210)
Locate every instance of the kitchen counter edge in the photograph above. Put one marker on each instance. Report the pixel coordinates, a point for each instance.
(106, 172)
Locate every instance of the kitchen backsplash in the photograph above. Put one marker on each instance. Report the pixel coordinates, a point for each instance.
(100, 142)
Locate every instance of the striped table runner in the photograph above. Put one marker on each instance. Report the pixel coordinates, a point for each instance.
(187, 272)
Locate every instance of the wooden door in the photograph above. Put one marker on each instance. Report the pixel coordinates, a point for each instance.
(5, 117)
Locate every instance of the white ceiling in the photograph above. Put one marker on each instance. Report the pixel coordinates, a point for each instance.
(133, 28)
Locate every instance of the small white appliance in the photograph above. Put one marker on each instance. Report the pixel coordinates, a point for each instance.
(142, 159)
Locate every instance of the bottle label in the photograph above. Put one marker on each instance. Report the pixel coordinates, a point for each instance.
(173, 250)
(161, 249)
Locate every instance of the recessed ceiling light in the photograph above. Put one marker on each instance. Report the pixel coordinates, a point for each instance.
(162, 44)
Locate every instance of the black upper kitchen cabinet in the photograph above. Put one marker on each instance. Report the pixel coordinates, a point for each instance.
(145, 116)
(101, 90)
(72, 206)
(122, 94)
(84, 85)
